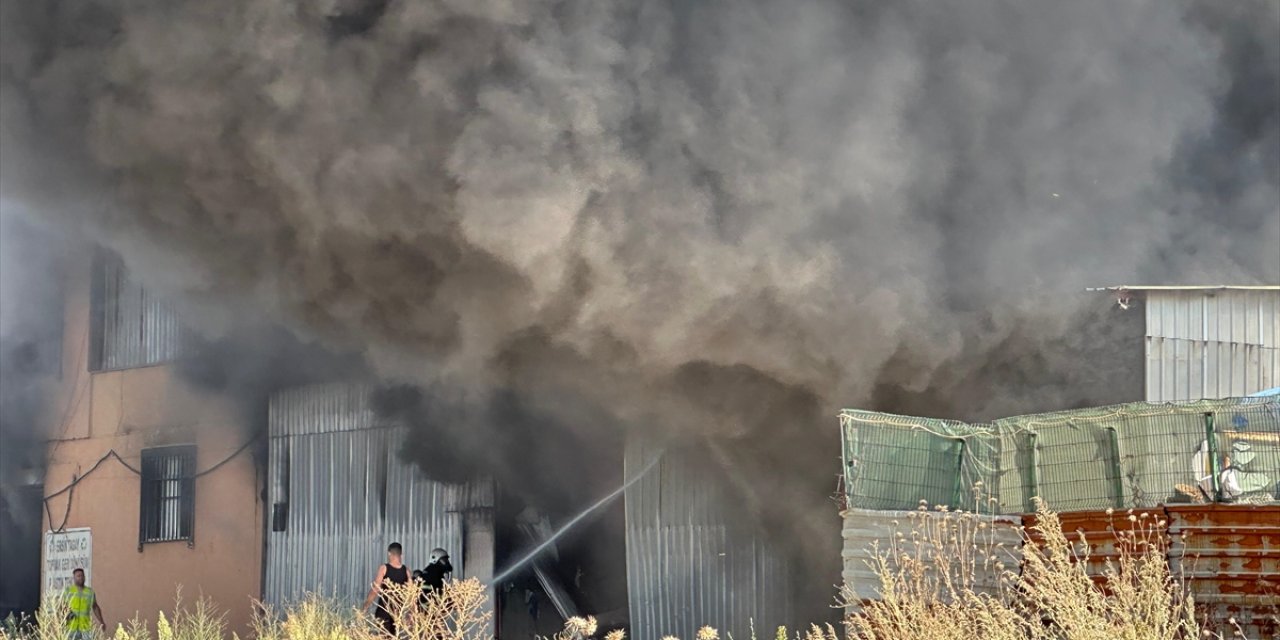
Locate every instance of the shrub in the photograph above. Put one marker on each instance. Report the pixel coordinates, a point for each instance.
(931, 584)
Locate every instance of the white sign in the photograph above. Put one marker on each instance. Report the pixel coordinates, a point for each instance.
(63, 553)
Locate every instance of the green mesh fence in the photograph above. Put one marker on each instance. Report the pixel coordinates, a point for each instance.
(1123, 456)
(895, 462)
(1248, 447)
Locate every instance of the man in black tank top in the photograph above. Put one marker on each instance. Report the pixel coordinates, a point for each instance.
(392, 573)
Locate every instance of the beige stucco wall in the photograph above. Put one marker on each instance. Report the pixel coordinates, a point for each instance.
(127, 411)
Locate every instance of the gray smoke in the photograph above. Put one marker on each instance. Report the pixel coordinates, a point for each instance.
(727, 218)
(32, 257)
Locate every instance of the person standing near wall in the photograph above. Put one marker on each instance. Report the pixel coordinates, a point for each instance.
(392, 575)
(83, 603)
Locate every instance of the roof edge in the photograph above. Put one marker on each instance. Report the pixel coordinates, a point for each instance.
(1218, 287)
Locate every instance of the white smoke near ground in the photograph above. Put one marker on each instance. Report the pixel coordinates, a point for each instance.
(714, 217)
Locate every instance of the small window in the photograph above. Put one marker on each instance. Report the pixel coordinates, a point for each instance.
(168, 494)
(130, 326)
(279, 452)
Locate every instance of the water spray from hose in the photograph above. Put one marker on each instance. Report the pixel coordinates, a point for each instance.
(569, 525)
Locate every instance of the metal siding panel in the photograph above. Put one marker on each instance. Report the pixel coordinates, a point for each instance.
(127, 343)
(138, 328)
(1211, 344)
(1230, 558)
(1196, 359)
(1153, 376)
(337, 532)
(1210, 311)
(1216, 316)
(1248, 322)
(689, 563)
(866, 533)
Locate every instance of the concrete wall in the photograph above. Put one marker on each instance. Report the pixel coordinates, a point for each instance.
(127, 411)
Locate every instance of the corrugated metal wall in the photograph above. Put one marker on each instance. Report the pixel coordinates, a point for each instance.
(867, 533)
(346, 495)
(689, 563)
(1211, 343)
(137, 328)
(1230, 558)
(1227, 556)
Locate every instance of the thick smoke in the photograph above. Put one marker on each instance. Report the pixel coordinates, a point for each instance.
(723, 218)
(31, 350)
(31, 261)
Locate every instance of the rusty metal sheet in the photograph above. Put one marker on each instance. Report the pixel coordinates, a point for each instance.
(1230, 557)
(1093, 533)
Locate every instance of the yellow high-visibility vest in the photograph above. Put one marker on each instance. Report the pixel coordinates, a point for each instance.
(80, 600)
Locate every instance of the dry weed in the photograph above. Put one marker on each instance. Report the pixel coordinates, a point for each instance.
(930, 586)
(948, 577)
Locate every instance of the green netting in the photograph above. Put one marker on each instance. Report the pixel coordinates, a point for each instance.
(1249, 443)
(895, 462)
(1132, 455)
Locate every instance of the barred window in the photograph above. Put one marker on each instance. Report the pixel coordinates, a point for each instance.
(168, 494)
(131, 326)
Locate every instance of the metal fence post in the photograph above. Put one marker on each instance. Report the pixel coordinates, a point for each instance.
(1033, 477)
(958, 490)
(1211, 436)
(849, 459)
(1117, 475)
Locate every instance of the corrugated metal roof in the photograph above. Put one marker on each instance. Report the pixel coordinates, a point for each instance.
(340, 494)
(689, 562)
(1263, 287)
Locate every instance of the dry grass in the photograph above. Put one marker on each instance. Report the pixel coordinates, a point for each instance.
(931, 589)
(456, 614)
(47, 624)
(946, 577)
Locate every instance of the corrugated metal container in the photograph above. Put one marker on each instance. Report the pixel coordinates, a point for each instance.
(869, 534)
(1211, 343)
(340, 494)
(690, 561)
(1230, 557)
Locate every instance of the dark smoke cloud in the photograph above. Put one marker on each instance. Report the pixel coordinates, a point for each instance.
(727, 218)
(31, 276)
(253, 359)
(31, 289)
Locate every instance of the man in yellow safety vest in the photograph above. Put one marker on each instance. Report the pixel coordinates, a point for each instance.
(82, 601)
